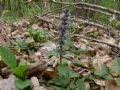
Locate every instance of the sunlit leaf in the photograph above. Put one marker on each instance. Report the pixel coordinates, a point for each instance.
(80, 84)
(20, 84)
(8, 57)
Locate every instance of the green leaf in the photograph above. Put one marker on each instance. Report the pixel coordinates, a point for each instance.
(72, 86)
(58, 88)
(73, 74)
(104, 72)
(20, 42)
(63, 70)
(114, 22)
(19, 71)
(76, 61)
(118, 81)
(52, 52)
(8, 57)
(80, 84)
(78, 51)
(61, 81)
(66, 71)
(20, 84)
(116, 66)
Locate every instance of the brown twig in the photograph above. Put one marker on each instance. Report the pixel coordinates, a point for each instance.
(98, 41)
(92, 6)
(102, 26)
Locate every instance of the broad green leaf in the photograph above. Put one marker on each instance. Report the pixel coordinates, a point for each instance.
(63, 70)
(73, 74)
(52, 52)
(78, 51)
(76, 62)
(66, 71)
(20, 84)
(8, 57)
(58, 88)
(114, 22)
(116, 66)
(104, 72)
(80, 84)
(61, 81)
(118, 81)
(20, 42)
(19, 71)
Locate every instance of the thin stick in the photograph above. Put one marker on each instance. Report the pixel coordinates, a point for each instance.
(98, 41)
(97, 7)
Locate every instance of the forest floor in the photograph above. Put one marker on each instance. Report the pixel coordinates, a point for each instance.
(90, 52)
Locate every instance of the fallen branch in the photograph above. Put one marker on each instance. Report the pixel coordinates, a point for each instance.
(95, 40)
(92, 6)
(55, 10)
(87, 22)
(92, 9)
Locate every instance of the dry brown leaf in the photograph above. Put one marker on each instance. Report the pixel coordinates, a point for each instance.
(111, 85)
(49, 72)
(36, 85)
(100, 82)
(99, 60)
(84, 60)
(35, 26)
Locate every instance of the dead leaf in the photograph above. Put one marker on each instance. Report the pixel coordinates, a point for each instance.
(111, 85)
(99, 60)
(100, 82)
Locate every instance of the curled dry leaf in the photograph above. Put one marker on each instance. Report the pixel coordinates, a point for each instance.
(50, 73)
(56, 60)
(36, 85)
(100, 82)
(111, 85)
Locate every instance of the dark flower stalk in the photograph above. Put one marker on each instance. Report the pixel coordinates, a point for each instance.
(64, 27)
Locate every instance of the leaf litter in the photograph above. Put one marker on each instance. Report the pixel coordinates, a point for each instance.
(91, 56)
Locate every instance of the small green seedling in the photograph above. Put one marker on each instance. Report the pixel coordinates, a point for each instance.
(39, 35)
(25, 45)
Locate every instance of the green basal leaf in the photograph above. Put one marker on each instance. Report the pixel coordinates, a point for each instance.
(60, 81)
(78, 51)
(73, 74)
(58, 88)
(72, 86)
(80, 84)
(20, 42)
(66, 71)
(114, 22)
(20, 84)
(63, 70)
(8, 57)
(116, 66)
(52, 53)
(19, 71)
(76, 61)
(104, 72)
